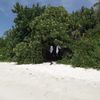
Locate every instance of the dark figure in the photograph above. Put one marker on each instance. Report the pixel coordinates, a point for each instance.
(55, 53)
(58, 49)
(51, 54)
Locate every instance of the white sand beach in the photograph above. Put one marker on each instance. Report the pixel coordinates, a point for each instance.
(48, 82)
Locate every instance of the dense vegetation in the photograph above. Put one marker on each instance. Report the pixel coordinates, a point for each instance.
(38, 27)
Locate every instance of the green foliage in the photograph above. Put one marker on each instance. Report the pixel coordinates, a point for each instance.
(24, 16)
(86, 51)
(97, 10)
(81, 21)
(21, 50)
(36, 52)
(52, 24)
(38, 27)
(28, 52)
(87, 54)
(3, 56)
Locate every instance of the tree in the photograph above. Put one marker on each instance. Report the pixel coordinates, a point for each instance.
(97, 10)
(24, 15)
(87, 50)
(21, 32)
(51, 27)
(52, 24)
(81, 21)
(39, 27)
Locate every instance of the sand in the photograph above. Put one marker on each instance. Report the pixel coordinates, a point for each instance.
(48, 82)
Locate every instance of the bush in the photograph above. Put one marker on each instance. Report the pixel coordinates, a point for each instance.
(87, 54)
(21, 52)
(3, 56)
(28, 53)
(36, 52)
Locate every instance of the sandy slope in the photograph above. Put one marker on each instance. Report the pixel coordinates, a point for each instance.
(45, 82)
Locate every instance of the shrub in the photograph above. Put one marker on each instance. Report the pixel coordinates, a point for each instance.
(3, 56)
(87, 54)
(36, 52)
(28, 53)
